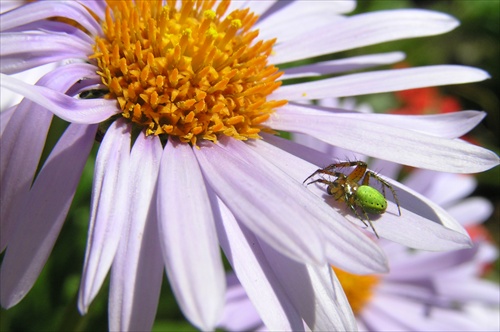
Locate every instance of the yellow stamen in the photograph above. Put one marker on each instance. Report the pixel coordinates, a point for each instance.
(190, 71)
(358, 288)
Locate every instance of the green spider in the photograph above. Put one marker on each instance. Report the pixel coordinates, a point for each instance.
(346, 188)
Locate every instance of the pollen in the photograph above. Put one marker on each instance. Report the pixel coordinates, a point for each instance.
(357, 288)
(187, 69)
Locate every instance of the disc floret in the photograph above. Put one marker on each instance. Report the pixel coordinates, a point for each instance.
(358, 289)
(189, 70)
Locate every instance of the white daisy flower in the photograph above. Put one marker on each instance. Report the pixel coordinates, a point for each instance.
(184, 93)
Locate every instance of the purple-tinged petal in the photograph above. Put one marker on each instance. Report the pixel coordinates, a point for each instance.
(312, 150)
(408, 289)
(239, 313)
(388, 312)
(188, 235)
(471, 211)
(44, 213)
(385, 141)
(86, 111)
(311, 290)
(257, 7)
(5, 6)
(450, 188)
(442, 188)
(5, 117)
(478, 290)
(424, 207)
(28, 128)
(449, 125)
(22, 51)
(137, 270)
(400, 229)
(31, 76)
(54, 28)
(270, 208)
(380, 81)
(342, 302)
(422, 224)
(425, 265)
(18, 165)
(22, 43)
(256, 275)
(97, 6)
(362, 30)
(484, 254)
(47, 9)
(375, 320)
(108, 212)
(342, 65)
(346, 246)
(386, 168)
(284, 21)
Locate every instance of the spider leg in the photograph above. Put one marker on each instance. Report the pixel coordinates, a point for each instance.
(353, 209)
(320, 181)
(355, 175)
(371, 225)
(365, 220)
(324, 171)
(384, 184)
(358, 172)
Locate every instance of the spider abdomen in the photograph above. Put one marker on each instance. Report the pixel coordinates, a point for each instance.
(371, 200)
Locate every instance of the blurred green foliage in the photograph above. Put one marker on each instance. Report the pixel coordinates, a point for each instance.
(51, 304)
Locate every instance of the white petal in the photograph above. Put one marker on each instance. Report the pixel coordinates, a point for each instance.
(98, 7)
(42, 10)
(255, 274)
(189, 240)
(86, 111)
(442, 188)
(239, 313)
(282, 23)
(110, 190)
(29, 76)
(137, 270)
(346, 247)
(391, 225)
(469, 290)
(44, 213)
(380, 81)
(18, 165)
(471, 211)
(402, 146)
(449, 125)
(429, 227)
(269, 207)
(257, 7)
(311, 290)
(398, 313)
(5, 117)
(362, 30)
(28, 128)
(342, 65)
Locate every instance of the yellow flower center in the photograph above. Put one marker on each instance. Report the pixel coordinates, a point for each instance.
(358, 288)
(187, 69)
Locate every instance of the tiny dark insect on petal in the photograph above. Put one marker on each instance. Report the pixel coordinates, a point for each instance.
(93, 94)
